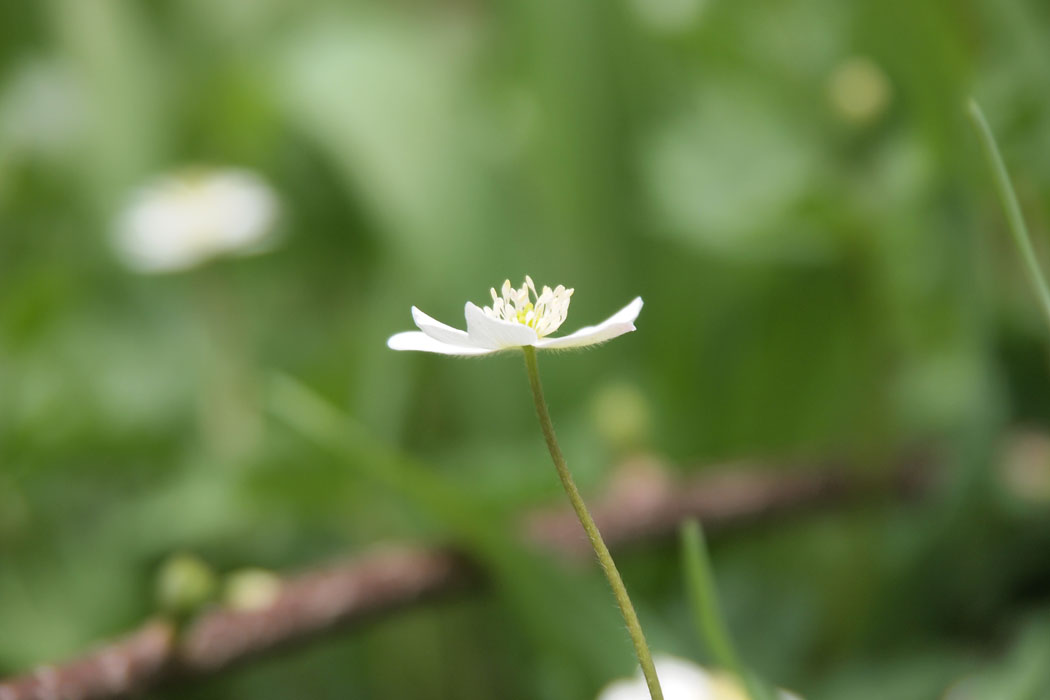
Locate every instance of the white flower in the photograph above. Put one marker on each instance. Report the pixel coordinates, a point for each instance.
(185, 219)
(517, 317)
(682, 680)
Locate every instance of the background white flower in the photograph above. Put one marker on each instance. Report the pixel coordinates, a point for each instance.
(682, 680)
(517, 317)
(185, 219)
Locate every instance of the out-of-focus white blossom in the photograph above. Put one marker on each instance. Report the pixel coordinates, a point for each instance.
(682, 680)
(185, 219)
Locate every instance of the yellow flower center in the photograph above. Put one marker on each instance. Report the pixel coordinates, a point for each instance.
(544, 311)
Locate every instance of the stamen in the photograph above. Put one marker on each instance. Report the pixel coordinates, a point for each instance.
(544, 311)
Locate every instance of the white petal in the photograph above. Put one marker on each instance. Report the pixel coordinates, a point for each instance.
(680, 680)
(415, 340)
(439, 331)
(242, 208)
(494, 333)
(625, 690)
(619, 323)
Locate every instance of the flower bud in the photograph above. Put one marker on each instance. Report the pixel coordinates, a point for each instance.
(251, 589)
(184, 584)
(859, 91)
(622, 416)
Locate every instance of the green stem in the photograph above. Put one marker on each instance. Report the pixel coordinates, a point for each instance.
(634, 628)
(700, 583)
(1013, 209)
(704, 596)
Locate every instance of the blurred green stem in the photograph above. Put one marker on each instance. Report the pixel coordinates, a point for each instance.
(700, 583)
(703, 595)
(230, 411)
(1010, 204)
(634, 628)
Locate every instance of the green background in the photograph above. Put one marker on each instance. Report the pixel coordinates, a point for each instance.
(818, 283)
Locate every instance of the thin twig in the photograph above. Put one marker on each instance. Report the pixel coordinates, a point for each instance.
(643, 504)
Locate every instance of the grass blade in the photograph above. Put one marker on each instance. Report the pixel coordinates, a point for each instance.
(1012, 208)
(703, 594)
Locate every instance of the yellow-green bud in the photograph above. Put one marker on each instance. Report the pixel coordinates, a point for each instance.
(251, 589)
(622, 416)
(184, 584)
(859, 91)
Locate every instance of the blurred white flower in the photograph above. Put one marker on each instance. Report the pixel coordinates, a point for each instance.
(517, 317)
(185, 219)
(682, 680)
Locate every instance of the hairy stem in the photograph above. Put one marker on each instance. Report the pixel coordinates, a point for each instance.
(634, 628)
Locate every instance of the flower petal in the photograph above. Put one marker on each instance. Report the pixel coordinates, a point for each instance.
(416, 340)
(495, 333)
(619, 323)
(439, 331)
(679, 679)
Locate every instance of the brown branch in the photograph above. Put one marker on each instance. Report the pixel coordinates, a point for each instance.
(643, 503)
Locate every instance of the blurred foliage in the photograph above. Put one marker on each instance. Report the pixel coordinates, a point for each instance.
(790, 184)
